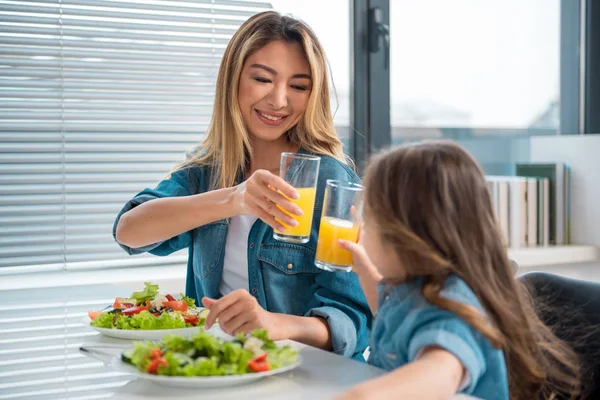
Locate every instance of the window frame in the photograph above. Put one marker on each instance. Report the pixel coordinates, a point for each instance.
(590, 29)
(370, 81)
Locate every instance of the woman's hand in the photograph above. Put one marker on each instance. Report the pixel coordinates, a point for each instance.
(262, 193)
(240, 312)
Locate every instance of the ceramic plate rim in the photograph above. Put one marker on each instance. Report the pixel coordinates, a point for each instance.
(188, 381)
(144, 334)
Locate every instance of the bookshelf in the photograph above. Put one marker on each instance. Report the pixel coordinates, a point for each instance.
(528, 257)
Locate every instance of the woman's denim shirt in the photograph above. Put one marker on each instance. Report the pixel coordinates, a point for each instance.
(282, 276)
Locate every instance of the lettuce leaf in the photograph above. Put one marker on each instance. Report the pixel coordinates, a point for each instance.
(177, 344)
(141, 352)
(281, 357)
(141, 321)
(232, 352)
(263, 335)
(149, 293)
(206, 344)
(208, 367)
(104, 320)
(174, 365)
(243, 362)
(147, 321)
(206, 355)
(190, 302)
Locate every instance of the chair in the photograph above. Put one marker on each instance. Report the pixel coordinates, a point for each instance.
(573, 307)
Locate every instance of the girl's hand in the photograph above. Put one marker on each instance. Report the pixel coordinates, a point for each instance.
(261, 194)
(368, 275)
(240, 312)
(355, 393)
(360, 259)
(414, 380)
(361, 263)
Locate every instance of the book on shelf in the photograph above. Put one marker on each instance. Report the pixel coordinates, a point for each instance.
(533, 208)
(567, 194)
(558, 175)
(544, 211)
(499, 196)
(514, 222)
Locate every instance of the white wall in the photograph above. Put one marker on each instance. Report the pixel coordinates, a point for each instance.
(582, 154)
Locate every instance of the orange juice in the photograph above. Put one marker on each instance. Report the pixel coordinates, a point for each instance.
(307, 203)
(331, 230)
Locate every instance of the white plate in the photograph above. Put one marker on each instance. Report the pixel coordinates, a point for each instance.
(144, 334)
(130, 334)
(199, 382)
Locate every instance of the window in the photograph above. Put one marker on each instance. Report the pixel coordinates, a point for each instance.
(591, 78)
(484, 73)
(334, 36)
(98, 99)
(485, 65)
(487, 74)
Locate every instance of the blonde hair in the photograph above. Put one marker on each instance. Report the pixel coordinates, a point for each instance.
(429, 201)
(227, 146)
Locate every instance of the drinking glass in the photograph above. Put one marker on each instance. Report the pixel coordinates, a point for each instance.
(301, 171)
(340, 219)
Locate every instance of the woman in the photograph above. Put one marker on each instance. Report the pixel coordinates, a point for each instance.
(272, 96)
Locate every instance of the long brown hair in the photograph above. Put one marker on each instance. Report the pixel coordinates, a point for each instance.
(430, 202)
(227, 145)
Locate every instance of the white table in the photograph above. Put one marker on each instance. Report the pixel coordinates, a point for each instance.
(322, 375)
(40, 335)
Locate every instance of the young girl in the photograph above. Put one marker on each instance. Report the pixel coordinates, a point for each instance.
(450, 317)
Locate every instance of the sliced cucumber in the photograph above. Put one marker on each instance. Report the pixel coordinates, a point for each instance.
(183, 359)
(203, 313)
(191, 352)
(126, 356)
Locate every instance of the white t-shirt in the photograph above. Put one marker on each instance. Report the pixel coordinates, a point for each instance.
(235, 264)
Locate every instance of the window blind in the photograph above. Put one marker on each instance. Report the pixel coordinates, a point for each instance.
(98, 99)
(40, 340)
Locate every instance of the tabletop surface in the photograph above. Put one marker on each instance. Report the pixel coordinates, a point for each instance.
(40, 337)
(321, 375)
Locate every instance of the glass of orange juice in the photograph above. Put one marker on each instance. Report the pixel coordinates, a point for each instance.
(340, 219)
(301, 171)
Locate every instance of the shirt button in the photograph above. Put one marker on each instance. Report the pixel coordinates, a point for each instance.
(253, 290)
(251, 245)
(290, 266)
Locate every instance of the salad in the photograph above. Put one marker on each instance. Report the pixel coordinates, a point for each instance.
(206, 355)
(150, 310)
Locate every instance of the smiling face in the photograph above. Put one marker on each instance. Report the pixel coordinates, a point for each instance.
(274, 89)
